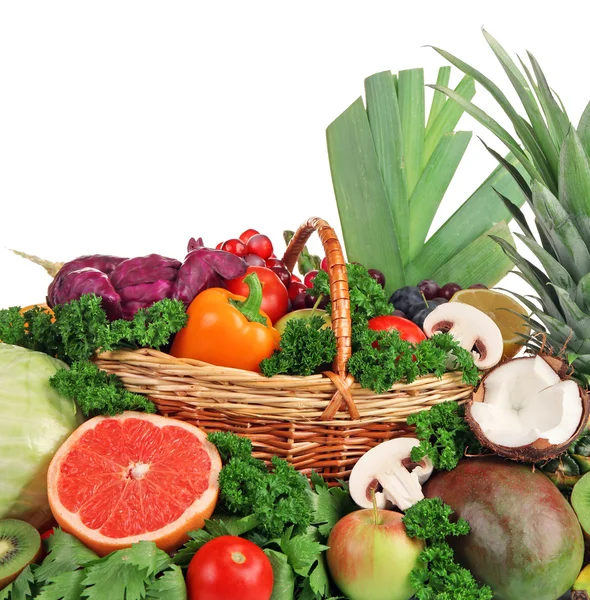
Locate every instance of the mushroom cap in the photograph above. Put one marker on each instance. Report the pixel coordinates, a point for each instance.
(383, 466)
(472, 328)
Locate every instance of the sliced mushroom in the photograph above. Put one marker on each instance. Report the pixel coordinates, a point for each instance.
(388, 472)
(472, 328)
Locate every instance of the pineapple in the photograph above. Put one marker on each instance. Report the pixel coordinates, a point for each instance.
(555, 157)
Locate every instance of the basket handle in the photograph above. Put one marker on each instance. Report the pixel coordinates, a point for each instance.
(339, 296)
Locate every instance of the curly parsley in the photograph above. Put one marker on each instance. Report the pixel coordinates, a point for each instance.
(367, 297)
(306, 346)
(444, 435)
(438, 575)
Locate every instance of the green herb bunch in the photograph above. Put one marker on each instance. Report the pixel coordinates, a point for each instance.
(438, 575)
(77, 332)
(278, 509)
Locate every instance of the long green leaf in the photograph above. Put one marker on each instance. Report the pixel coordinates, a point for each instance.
(482, 261)
(360, 195)
(520, 84)
(432, 186)
(583, 293)
(584, 129)
(574, 183)
(439, 99)
(516, 174)
(554, 270)
(558, 122)
(494, 127)
(412, 113)
(448, 118)
(386, 128)
(516, 213)
(477, 215)
(534, 276)
(529, 140)
(567, 243)
(576, 318)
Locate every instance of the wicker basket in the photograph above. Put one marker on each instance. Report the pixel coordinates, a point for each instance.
(324, 422)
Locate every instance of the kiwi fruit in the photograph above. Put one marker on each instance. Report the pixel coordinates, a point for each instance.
(20, 545)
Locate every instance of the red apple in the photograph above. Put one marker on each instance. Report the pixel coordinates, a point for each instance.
(371, 556)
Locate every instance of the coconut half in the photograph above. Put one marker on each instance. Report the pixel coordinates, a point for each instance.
(526, 410)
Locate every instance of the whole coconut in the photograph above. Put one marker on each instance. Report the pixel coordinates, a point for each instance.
(525, 539)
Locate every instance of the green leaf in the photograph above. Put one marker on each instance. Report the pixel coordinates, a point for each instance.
(439, 99)
(481, 261)
(583, 292)
(516, 214)
(576, 318)
(574, 183)
(384, 118)
(302, 550)
(65, 554)
(332, 504)
(584, 129)
(477, 215)
(567, 243)
(170, 586)
(22, 588)
(361, 197)
(516, 174)
(318, 580)
(448, 117)
(534, 276)
(198, 539)
(432, 186)
(520, 84)
(412, 114)
(283, 587)
(558, 121)
(557, 274)
(65, 586)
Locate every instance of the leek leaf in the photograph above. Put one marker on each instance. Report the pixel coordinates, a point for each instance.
(365, 216)
(432, 186)
(439, 99)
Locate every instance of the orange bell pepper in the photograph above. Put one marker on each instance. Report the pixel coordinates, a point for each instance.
(227, 330)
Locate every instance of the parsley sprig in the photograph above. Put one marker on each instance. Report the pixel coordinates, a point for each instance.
(444, 435)
(438, 575)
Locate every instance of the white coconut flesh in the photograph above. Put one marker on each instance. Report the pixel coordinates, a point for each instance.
(524, 401)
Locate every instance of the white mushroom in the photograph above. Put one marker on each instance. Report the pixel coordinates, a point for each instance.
(473, 329)
(385, 472)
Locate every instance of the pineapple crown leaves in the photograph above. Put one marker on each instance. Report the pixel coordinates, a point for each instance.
(554, 154)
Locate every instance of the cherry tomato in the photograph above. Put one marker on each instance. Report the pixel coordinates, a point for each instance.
(219, 246)
(235, 246)
(296, 288)
(229, 568)
(324, 264)
(245, 237)
(407, 330)
(261, 245)
(48, 533)
(309, 277)
(275, 297)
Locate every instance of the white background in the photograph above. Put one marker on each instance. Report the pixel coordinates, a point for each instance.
(128, 127)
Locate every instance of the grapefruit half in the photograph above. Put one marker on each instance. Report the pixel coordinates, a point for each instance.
(118, 480)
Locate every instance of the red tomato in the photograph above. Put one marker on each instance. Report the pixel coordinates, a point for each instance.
(229, 568)
(235, 246)
(261, 245)
(275, 298)
(407, 330)
(245, 237)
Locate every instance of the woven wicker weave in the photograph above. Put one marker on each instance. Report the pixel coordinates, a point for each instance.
(323, 422)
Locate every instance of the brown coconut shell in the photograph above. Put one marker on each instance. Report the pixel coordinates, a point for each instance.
(540, 449)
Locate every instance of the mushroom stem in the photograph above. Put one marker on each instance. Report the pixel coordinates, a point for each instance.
(401, 487)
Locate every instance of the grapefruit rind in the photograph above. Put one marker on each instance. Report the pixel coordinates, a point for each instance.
(167, 538)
